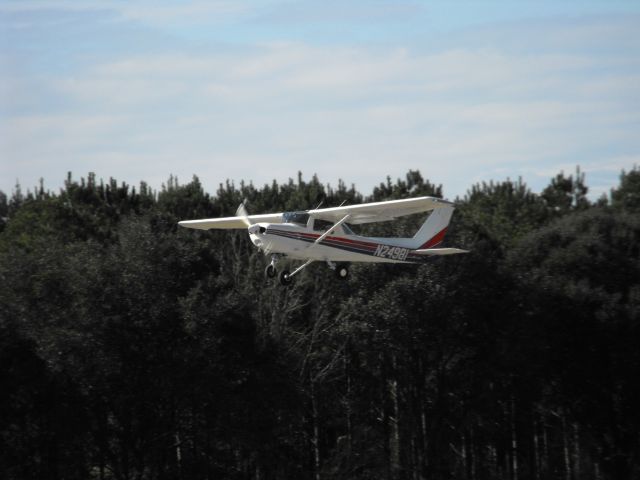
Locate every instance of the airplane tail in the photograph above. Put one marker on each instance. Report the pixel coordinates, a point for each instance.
(433, 229)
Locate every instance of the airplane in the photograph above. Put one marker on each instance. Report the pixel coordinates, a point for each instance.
(323, 234)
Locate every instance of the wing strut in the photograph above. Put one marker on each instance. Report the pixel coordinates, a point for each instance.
(305, 264)
(330, 231)
(318, 240)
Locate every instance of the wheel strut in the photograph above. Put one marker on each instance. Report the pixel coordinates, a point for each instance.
(270, 271)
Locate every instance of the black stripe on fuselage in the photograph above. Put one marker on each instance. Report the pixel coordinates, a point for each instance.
(327, 242)
(347, 245)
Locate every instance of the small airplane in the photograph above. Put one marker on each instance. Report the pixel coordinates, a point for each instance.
(323, 234)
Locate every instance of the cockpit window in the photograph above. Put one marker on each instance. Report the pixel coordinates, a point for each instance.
(295, 217)
(320, 225)
(347, 230)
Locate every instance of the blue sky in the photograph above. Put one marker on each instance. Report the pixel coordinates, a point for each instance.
(464, 91)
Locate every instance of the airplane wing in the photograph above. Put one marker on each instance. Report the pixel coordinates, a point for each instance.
(239, 222)
(379, 211)
(363, 213)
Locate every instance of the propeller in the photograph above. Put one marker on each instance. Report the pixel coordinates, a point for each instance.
(242, 213)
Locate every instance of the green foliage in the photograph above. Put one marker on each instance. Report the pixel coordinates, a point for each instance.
(4, 210)
(627, 195)
(131, 348)
(414, 186)
(581, 276)
(500, 213)
(566, 193)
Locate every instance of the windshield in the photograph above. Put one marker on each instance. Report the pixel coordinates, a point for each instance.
(295, 217)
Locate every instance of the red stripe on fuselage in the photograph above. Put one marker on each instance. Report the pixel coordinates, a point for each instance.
(313, 236)
(435, 240)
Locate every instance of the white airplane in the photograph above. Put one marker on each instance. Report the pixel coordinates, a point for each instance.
(323, 235)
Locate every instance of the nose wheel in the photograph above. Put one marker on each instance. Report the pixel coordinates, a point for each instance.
(270, 271)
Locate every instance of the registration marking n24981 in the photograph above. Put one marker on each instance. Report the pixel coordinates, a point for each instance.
(394, 253)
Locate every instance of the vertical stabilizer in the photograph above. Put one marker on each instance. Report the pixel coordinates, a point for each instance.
(433, 229)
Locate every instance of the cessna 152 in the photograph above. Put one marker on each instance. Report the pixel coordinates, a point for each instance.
(323, 235)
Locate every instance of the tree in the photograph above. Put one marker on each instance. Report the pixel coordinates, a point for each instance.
(627, 195)
(564, 194)
(131, 348)
(582, 278)
(499, 213)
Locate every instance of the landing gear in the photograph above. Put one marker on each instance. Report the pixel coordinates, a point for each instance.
(270, 271)
(342, 271)
(285, 278)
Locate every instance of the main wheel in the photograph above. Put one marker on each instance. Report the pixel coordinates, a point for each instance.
(285, 279)
(270, 271)
(342, 272)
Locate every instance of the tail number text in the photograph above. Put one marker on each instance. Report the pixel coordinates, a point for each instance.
(394, 253)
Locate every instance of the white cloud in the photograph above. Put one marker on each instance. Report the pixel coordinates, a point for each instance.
(460, 115)
(189, 13)
(157, 13)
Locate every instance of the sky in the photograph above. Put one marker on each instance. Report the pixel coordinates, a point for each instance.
(464, 91)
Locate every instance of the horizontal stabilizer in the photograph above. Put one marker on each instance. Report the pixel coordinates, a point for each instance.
(440, 251)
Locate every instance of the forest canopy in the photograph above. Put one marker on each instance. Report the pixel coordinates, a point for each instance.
(133, 349)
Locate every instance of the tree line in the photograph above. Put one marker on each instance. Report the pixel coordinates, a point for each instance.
(133, 349)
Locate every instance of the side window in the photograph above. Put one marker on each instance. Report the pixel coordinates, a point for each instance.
(321, 225)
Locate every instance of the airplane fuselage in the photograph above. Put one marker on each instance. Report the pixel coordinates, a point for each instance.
(300, 242)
